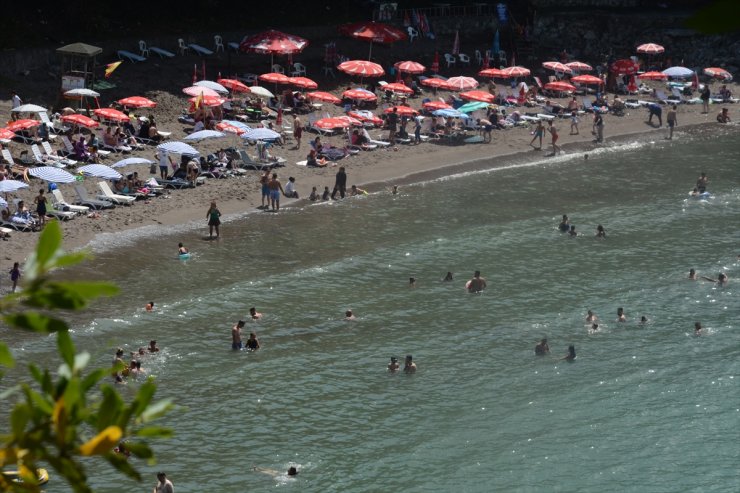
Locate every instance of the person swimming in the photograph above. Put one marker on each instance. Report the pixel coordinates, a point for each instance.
(721, 279)
(181, 250)
(149, 306)
(348, 315)
(564, 226)
(448, 277)
(620, 315)
(590, 317)
(692, 274)
(697, 328)
(393, 366)
(542, 348)
(600, 231)
(594, 328)
(412, 282)
(571, 356)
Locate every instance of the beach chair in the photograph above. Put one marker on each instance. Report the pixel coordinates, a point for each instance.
(113, 197)
(59, 203)
(201, 50)
(131, 57)
(661, 96)
(450, 59)
(370, 140)
(278, 69)
(143, 49)
(413, 33)
(298, 69)
(478, 58)
(57, 211)
(218, 41)
(69, 149)
(464, 59)
(182, 47)
(161, 52)
(84, 199)
(8, 157)
(42, 159)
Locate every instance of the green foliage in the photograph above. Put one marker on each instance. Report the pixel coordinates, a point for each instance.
(64, 417)
(722, 16)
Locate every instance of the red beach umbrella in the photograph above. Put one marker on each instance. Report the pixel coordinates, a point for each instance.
(356, 122)
(462, 83)
(398, 87)
(435, 63)
(234, 85)
(402, 110)
(558, 67)
(362, 68)
(137, 102)
(482, 96)
(80, 120)
(374, 32)
(111, 114)
(366, 116)
(274, 43)
(653, 76)
(303, 82)
(228, 127)
(332, 123)
(410, 67)
(560, 86)
(436, 105)
(435, 82)
(718, 73)
(587, 79)
(208, 100)
(275, 78)
(6, 134)
(359, 94)
(18, 125)
(650, 49)
(490, 73)
(198, 90)
(625, 67)
(326, 97)
(579, 66)
(515, 71)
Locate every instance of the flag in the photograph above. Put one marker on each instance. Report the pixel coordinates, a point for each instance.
(486, 61)
(195, 73)
(695, 82)
(406, 19)
(111, 67)
(456, 44)
(435, 63)
(198, 101)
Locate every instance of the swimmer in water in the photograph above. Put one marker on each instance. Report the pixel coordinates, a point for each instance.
(721, 279)
(292, 471)
(590, 317)
(395, 190)
(620, 315)
(600, 231)
(594, 328)
(149, 306)
(153, 346)
(572, 231)
(254, 314)
(697, 328)
(477, 283)
(571, 356)
(412, 282)
(448, 277)
(181, 250)
(348, 315)
(393, 365)
(542, 348)
(409, 366)
(236, 335)
(692, 275)
(564, 226)
(253, 344)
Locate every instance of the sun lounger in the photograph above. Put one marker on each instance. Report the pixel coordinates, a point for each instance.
(50, 154)
(58, 212)
(249, 163)
(19, 226)
(661, 97)
(43, 159)
(201, 50)
(84, 199)
(115, 198)
(59, 203)
(370, 140)
(176, 184)
(131, 57)
(544, 116)
(162, 53)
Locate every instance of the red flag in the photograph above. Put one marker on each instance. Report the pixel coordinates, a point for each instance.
(110, 68)
(435, 63)
(486, 61)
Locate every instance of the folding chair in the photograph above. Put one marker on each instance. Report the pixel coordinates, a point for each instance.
(219, 42)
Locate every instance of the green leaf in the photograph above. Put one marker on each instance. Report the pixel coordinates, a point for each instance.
(9, 392)
(35, 322)
(156, 410)
(6, 357)
(67, 295)
(19, 419)
(143, 397)
(67, 259)
(109, 409)
(93, 378)
(122, 464)
(66, 348)
(38, 401)
(154, 432)
(49, 243)
(140, 450)
(81, 361)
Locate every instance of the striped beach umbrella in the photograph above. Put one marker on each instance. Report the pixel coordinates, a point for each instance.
(204, 134)
(131, 161)
(462, 83)
(100, 171)
(7, 186)
(363, 68)
(137, 102)
(558, 67)
(650, 49)
(219, 88)
(50, 174)
(579, 66)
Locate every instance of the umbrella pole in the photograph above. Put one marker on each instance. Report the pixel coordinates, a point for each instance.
(369, 55)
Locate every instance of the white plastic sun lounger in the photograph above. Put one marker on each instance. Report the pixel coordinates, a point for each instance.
(370, 140)
(58, 200)
(131, 57)
(113, 197)
(161, 52)
(84, 199)
(201, 50)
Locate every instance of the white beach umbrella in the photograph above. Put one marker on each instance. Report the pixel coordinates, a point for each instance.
(12, 185)
(212, 85)
(55, 175)
(196, 91)
(261, 134)
(100, 170)
(87, 93)
(678, 72)
(29, 108)
(238, 124)
(261, 91)
(205, 134)
(3, 203)
(130, 161)
(181, 148)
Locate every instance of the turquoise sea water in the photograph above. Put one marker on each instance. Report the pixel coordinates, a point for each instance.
(647, 408)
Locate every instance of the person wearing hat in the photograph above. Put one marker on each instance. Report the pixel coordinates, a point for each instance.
(164, 485)
(409, 366)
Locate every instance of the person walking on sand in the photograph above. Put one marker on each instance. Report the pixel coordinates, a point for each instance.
(574, 121)
(392, 121)
(672, 121)
(297, 131)
(41, 202)
(705, 95)
(15, 275)
(598, 126)
(165, 161)
(214, 219)
(539, 131)
(554, 134)
(340, 184)
(276, 188)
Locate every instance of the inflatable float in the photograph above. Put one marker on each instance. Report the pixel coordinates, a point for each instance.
(41, 474)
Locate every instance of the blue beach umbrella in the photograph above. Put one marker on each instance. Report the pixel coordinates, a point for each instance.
(205, 134)
(472, 106)
(176, 147)
(55, 175)
(100, 171)
(131, 160)
(448, 113)
(261, 134)
(7, 186)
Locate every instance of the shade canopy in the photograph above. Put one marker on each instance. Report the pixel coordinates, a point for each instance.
(332, 123)
(234, 85)
(462, 83)
(653, 76)
(678, 72)
(587, 79)
(625, 67)
(212, 85)
(29, 108)
(137, 102)
(557, 67)
(323, 96)
(303, 82)
(560, 86)
(199, 90)
(490, 73)
(100, 171)
(374, 32)
(359, 94)
(131, 161)
(7, 186)
(579, 66)
(650, 49)
(82, 92)
(275, 78)
(261, 134)
(482, 96)
(112, 114)
(515, 71)
(398, 87)
(204, 134)
(273, 42)
(410, 67)
(80, 120)
(51, 174)
(176, 147)
(80, 49)
(435, 82)
(362, 68)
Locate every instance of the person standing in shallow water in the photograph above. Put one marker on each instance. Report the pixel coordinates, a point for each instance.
(214, 219)
(542, 348)
(340, 184)
(477, 283)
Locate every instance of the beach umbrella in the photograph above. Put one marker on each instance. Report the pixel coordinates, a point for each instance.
(515, 71)
(80, 120)
(625, 67)
(235, 123)
(332, 123)
(653, 76)
(29, 108)
(718, 73)
(435, 82)
(261, 92)
(579, 66)
(137, 102)
(7, 186)
(100, 171)
(436, 105)
(560, 86)
(402, 110)
(51, 174)
(82, 93)
(366, 116)
(650, 49)
(326, 97)
(558, 67)
(18, 125)
(373, 32)
(274, 43)
(198, 90)
(586, 79)
(204, 134)
(398, 87)
(678, 72)
(472, 106)
(435, 63)
(112, 114)
(229, 128)
(275, 78)
(303, 82)
(234, 85)
(131, 161)
(359, 94)
(462, 83)
(176, 147)
(209, 101)
(260, 134)
(362, 68)
(483, 96)
(410, 67)
(351, 120)
(6, 135)
(448, 113)
(212, 85)
(490, 73)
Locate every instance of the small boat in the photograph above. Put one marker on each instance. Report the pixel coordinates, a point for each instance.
(41, 474)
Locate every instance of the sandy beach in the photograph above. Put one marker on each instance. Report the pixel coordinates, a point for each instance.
(374, 170)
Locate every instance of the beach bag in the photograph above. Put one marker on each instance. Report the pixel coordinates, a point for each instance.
(153, 169)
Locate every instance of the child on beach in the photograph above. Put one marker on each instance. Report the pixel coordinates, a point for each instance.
(15, 275)
(554, 134)
(314, 195)
(539, 131)
(213, 215)
(574, 120)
